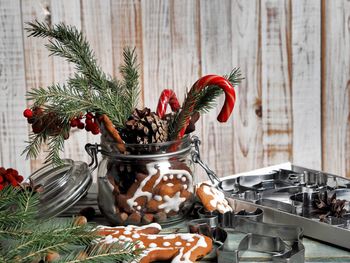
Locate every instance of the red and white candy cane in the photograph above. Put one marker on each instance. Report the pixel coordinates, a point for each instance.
(230, 97)
(167, 96)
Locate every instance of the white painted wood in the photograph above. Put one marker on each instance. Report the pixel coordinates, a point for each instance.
(38, 64)
(217, 58)
(157, 54)
(336, 88)
(96, 25)
(68, 11)
(247, 120)
(306, 83)
(126, 30)
(13, 127)
(276, 81)
(277, 43)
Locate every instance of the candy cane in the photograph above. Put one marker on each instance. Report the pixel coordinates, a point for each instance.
(167, 96)
(230, 97)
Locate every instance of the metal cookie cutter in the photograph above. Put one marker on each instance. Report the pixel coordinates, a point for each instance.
(282, 242)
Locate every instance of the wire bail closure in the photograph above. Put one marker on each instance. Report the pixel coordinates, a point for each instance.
(92, 150)
(196, 158)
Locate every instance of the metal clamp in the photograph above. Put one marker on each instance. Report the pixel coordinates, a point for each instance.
(196, 158)
(92, 150)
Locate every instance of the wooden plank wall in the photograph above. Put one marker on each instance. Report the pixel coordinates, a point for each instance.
(294, 104)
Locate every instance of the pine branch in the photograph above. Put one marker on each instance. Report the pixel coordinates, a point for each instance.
(115, 252)
(26, 239)
(56, 145)
(129, 71)
(89, 90)
(16, 208)
(67, 42)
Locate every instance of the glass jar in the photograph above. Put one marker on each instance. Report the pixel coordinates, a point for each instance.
(148, 183)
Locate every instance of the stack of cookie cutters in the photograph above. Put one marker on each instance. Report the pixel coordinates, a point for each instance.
(235, 233)
(283, 242)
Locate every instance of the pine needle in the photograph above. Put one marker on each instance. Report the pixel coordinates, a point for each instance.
(25, 238)
(89, 90)
(129, 71)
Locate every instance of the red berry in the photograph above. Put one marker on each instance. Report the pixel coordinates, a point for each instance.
(81, 125)
(88, 128)
(88, 121)
(20, 178)
(14, 183)
(12, 172)
(9, 177)
(95, 130)
(1, 179)
(74, 123)
(2, 170)
(1, 187)
(89, 116)
(28, 113)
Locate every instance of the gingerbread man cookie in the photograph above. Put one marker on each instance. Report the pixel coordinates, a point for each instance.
(175, 248)
(213, 199)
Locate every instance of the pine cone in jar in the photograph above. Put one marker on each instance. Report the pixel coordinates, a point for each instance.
(144, 127)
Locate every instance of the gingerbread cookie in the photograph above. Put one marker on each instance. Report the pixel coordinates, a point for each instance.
(165, 189)
(213, 199)
(171, 247)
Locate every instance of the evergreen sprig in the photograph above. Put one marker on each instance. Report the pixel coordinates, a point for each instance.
(88, 90)
(203, 100)
(25, 238)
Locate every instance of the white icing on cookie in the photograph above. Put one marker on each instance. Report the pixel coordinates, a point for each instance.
(164, 168)
(219, 201)
(135, 235)
(152, 245)
(127, 232)
(158, 198)
(172, 203)
(185, 257)
(166, 244)
(170, 236)
(170, 184)
(178, 243)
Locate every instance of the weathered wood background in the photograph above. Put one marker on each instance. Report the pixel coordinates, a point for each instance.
(295, 56)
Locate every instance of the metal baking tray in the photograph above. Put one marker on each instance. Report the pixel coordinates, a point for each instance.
(291, 197)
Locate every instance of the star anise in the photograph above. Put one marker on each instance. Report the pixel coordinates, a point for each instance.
(330, 206)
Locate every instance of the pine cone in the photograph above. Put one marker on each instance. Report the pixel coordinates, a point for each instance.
(144, 127)
(330, 206)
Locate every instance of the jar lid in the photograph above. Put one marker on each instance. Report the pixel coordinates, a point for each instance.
(62, 186)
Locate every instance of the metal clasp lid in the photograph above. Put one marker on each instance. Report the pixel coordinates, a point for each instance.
(92, 150)
(196, 158)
